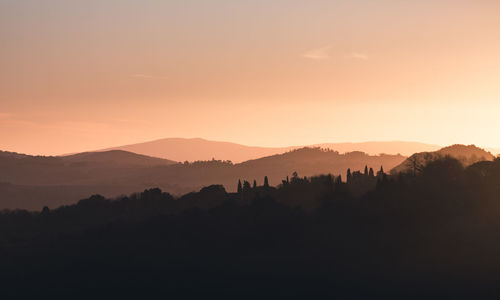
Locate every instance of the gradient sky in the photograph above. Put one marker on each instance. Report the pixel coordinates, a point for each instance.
(82, 75)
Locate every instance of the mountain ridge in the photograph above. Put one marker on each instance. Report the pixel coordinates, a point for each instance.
(466, 154)
(193, 149)
(68, 179)
(117, 157)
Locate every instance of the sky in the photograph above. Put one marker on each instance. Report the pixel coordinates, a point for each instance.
(84, 75)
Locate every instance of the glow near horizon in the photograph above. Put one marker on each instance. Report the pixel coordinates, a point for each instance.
(90, 75)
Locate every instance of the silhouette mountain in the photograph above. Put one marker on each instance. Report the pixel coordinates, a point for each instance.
(181, 149)
(467, 155)
(33, 182)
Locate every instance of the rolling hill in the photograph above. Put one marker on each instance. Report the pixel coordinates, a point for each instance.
(180, 149)
(387, 147)
(116, 157)
(467, 155)
(33, 182)
(74, 169)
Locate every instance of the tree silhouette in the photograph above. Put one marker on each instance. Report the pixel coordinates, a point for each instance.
(240, 188)
(201, 236)
(254, 184)
(246, 186)
(266, 182)
(349, 175)
(45, 211)
(380, 173)
(370, 173)
(415, 165)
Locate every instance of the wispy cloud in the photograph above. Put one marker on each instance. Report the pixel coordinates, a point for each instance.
(325, 53)
(5, 115)
(358, 55)
(146, 76)
(318, 53)
(132, 121)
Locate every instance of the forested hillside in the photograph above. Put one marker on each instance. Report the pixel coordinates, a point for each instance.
(427, 235)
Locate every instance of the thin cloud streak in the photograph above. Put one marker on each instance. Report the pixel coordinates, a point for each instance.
(318, 53)
(324, 53)
(5, 115)
(146, 76)
(358, 55)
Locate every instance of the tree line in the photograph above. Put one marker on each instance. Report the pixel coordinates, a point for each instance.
(429, 234)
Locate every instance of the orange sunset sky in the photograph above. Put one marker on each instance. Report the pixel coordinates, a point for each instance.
(83, 75)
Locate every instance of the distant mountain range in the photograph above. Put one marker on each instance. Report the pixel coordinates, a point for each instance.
(180, 149)
(34, 181)
(467, 155)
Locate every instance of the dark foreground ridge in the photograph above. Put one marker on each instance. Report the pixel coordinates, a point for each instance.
(433, 234)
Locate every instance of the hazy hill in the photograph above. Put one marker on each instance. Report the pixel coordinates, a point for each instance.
(117, 157)
(33, 181)
(74, 169)
(314, 161)
(387, 147)
(57, 180)
(180, 149)
(304, 161)
(467, 155)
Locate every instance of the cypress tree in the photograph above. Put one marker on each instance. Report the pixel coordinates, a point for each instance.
(266, 182)
(246, 186)
(349, 176)
(240, 188)
(380, 173)
(254, 184)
